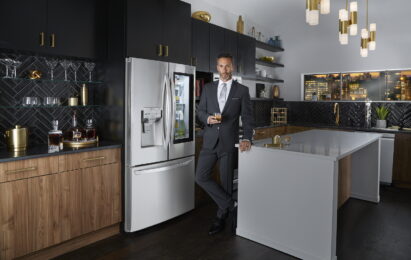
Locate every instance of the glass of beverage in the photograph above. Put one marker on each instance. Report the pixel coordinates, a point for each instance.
(218, 117)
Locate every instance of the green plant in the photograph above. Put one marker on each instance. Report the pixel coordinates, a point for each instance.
(382, 112)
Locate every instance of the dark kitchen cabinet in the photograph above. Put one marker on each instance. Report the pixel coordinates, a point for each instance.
(402, 163)
(217, 45)
(231, 47)
(246, 55)
(159, 30)
(23, 24)
(72, 28)
(63, 27)
(200, 43)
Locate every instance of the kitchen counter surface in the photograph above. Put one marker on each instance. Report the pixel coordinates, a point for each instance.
(38, 151)
(327, 144)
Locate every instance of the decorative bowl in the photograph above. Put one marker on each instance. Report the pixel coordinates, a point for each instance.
(202, 16)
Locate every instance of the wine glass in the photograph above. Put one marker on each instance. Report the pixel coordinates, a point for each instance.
(15, 65)
(7, 62)
(51, 64)
(65, 64)
(90, 67)
(75, 66)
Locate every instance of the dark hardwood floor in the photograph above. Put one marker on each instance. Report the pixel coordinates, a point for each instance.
(365, 231)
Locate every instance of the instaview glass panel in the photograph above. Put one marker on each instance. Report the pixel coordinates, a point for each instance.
(360, 86)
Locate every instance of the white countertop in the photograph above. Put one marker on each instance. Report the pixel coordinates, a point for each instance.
(329, 144)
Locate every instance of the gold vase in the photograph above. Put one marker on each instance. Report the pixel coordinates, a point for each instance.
(240, 25)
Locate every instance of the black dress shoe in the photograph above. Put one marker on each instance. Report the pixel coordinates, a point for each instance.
(217, 226)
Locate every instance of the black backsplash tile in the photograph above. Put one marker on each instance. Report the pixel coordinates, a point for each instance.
(38, 119)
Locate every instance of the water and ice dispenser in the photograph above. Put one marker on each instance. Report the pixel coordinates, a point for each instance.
(151, 126)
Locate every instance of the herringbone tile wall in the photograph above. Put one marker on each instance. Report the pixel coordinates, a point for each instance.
(38, 119)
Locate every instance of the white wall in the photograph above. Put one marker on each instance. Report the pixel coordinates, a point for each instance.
(311, 49)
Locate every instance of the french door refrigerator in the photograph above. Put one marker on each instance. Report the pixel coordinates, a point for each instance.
(159, 142)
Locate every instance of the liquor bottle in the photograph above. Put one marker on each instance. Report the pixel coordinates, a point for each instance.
(75, 133)
(55, 138)
(90, 130)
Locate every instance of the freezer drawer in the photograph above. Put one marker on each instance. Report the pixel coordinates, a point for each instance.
(158, 192)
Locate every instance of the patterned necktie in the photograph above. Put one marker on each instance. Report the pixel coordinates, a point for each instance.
(222, 97)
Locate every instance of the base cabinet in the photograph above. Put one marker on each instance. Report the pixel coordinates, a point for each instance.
(39, 212)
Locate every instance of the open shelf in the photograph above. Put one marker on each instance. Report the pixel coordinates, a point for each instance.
(267, 63)
(263, 79)
(52, 81)
(49, 106)
(268, 47)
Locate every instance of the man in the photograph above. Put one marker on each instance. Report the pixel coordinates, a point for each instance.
(232, 100)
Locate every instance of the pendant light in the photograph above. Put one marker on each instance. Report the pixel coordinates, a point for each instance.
(353, 18)
(371, 43)
(343, 24)
(325, 6)
(364, 43)
(313, 12)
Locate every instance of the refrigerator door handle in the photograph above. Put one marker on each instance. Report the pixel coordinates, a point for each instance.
(173, 113)
(163, 169)
(165, 120)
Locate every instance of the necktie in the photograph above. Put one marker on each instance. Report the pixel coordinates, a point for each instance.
(222, 97)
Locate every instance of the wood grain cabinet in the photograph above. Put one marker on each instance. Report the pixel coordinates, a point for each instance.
(43, 211)
(402, 163)
(62, 27)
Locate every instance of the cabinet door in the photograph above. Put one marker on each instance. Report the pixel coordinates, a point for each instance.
(230, 46)
(216, 45)
(144, 28)
(72, 28)
(402, 164)
(22, 24)
(200, 40)
(177, 32)
(246, 55)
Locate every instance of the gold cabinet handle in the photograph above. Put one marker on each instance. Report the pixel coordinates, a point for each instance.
(22, 170)
(42, 39)
(94, 159)
(52, 40)
(160, 50)
(165, 50)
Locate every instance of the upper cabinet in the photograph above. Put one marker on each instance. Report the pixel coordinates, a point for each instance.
(159, 30)
(246, 55)
(209, 40)
(63, 27)
(200, 43)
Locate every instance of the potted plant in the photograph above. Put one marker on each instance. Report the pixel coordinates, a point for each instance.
(382, 113)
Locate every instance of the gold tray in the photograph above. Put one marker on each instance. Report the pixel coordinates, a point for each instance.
(80, 144)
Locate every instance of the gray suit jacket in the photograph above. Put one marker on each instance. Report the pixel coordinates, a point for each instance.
(238, 104)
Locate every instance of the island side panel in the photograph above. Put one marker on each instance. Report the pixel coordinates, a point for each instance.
(288, 201)
(365, 170)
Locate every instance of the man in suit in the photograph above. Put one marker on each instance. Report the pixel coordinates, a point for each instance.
(232, 100)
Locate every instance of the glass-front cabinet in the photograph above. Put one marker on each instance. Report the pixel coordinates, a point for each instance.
(358, 86)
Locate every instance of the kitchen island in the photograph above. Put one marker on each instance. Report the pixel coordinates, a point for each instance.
(288, 197)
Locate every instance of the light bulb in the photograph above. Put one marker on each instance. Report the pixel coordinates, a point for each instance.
(353, 29)
(314, 17)
(372, 46)
(353, 7)
(325, 6)
(344, 39)
(364, 52)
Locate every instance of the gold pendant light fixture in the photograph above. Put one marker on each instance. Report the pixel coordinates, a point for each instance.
(348, 23)
(313, 8)
(368, 36)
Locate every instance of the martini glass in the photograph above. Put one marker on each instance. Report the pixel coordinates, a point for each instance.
(75, 66)
(52, 64)
(90, 67)
(65, 64)
(7, 62)
(15, 65)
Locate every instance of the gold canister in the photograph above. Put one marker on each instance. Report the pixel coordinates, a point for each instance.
(17, 138)
(73, 101)
(84, 95)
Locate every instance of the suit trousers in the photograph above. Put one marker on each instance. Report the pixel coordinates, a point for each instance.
(221, 194)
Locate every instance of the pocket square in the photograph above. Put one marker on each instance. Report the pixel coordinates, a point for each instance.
(235, 98)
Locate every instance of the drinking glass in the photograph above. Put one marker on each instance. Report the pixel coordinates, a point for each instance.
(7, 62)
(90, 67)
(15, 65)
(75, 66)
(65, 64)
(52, 64)
(218, 117)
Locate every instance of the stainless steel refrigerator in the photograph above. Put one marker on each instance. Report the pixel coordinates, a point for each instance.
(159, 142)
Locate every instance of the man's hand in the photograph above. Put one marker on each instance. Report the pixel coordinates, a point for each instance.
(211, 120)
(245, 145)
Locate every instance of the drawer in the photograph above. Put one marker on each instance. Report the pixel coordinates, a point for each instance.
(81, 160)
(261, 133)
(22, 169)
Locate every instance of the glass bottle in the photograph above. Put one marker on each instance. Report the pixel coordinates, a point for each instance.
(55, 138)
(75, 133)
(90, 130)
